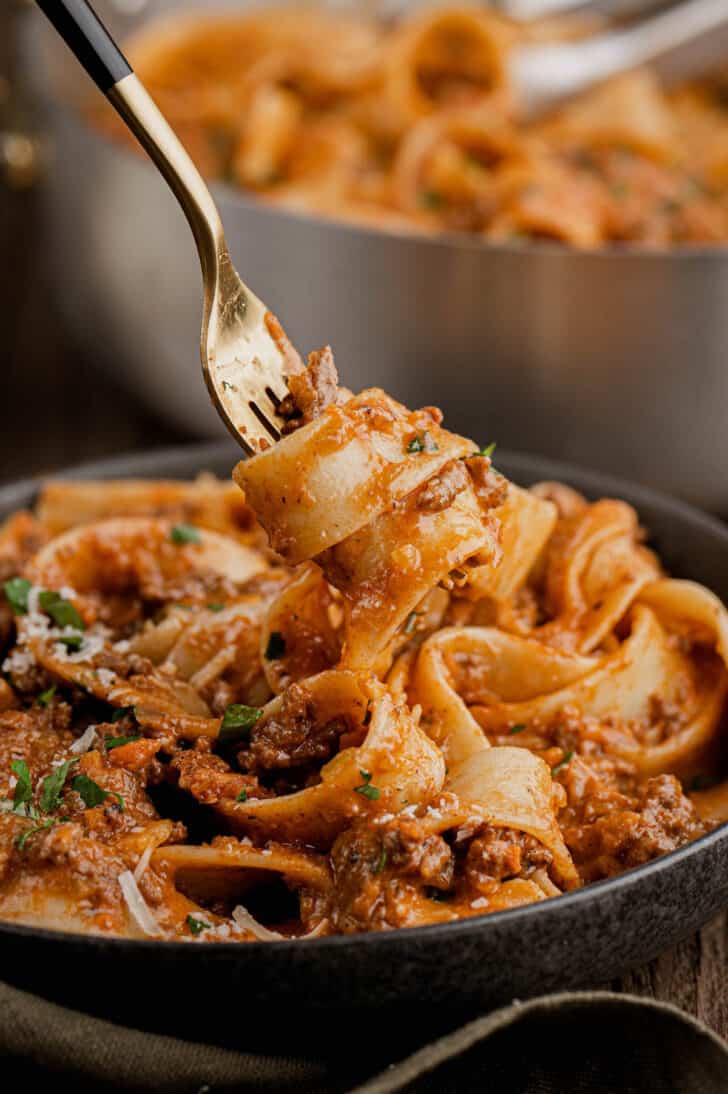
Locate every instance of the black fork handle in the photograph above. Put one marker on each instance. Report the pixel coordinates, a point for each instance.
(87, 37)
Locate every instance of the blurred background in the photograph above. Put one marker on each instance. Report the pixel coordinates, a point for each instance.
(591, 325)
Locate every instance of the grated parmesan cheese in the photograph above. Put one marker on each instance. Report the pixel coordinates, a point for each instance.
(19, 661)
(481, 902)
(85, 742)
(243, 918)
(138, 907)
(143, 864)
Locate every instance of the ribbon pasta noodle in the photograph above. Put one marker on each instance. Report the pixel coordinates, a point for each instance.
(412, 125)
(432, 694)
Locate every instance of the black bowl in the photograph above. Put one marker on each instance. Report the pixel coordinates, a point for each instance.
(224, 991)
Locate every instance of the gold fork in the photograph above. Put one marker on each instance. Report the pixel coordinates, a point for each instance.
(246, 357)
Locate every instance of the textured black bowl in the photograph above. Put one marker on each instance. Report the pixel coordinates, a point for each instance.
(230, 992)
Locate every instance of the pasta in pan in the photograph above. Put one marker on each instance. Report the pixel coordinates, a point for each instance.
(414, 126)
(433, 695)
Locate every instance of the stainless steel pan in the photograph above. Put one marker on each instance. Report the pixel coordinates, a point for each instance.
(617, 360)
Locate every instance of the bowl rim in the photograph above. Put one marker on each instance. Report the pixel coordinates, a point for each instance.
(183, 461)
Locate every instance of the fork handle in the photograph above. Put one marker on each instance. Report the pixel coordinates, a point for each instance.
(87, 37)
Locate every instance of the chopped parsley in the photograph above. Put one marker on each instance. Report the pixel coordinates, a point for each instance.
(215, 606)
(381, 861)
(119, 742)
(276, 647)
(432, 199)
(242, 796)
(489, 449)
(185, 533)
(568, 757)
(410, 623)
(366, 789)
(16, 591)
(92, 794)
(237, 721)
(22, 839)
(123, 712)
(61, 611)
(23, 787)
(423, 442)
(196, 926)
(52, 786)
(72, 642)
(517, 728)
(702, 781)
(45, 696)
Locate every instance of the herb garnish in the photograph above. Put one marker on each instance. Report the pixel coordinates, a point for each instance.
(185, 533)
(489, 449)
(52, 787)
(381, 861)
(61, 611)
(72, 642)
(432, 199)
(45, 696)
(423, 442)
(215, 606)
(23, 788)
(16, 591)
(366, 789)
(22, 839)
(196, 926)
(517, 728)
(92, 794)
(237, 721)
(410, 623)
(568, 757)
(242, 796)
(118, 742)
(276, 647)
(123, 712)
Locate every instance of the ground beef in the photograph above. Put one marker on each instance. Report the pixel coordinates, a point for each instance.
(210, 780)
(442, 489)
(490, 486)
(293, 738)
(310, 391)
(379, 872)
(658, 819)
(495, 854)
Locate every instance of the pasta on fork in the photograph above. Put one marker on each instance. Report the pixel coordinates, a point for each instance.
(385, 688)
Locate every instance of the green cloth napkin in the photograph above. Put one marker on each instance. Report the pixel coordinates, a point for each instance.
(570, 1043)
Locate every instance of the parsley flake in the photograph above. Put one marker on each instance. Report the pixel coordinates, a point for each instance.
(517, 728)
(119, 742)
(276, 647)
(61, 611)
(123, 712)
(410, 623)
(196, 926)
(366, 789)
(489, 449)
(23, 788)
(22, 839)
(16, 591)
(53, 784)
(568, 757)
(215, 606)
(92, 794)
(185, 533)
(423, 442)
(45, 696)
(72, 642)
(381, 861)
(242, 796)
(237, 721)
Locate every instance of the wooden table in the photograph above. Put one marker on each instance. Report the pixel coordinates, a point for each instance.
(58, 409)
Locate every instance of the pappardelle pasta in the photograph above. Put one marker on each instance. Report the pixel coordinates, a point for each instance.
(414, 126)
(409, 692)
